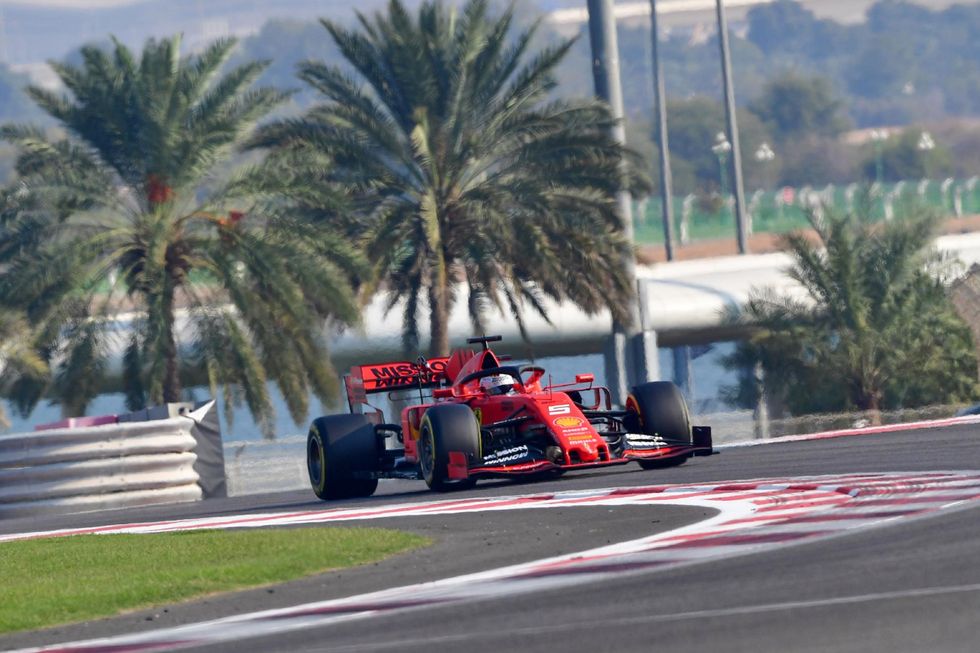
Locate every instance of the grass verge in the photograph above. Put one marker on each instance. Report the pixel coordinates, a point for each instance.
(61, 580)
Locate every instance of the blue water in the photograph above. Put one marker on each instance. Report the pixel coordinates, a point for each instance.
(708, 374)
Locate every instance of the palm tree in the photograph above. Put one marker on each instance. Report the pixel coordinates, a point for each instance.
(874, 328)
(461, 169)
(22, 370)
(128, 214)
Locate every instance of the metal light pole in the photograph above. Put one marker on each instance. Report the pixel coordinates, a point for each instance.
(620, 367)
(765, 156)
(660, 101)
(741, 232)
(721, 149)
(926, 145)
(605, 75)
(878, 137)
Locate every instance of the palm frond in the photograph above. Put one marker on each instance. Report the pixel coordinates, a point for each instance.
(455, 159)
(129, 212)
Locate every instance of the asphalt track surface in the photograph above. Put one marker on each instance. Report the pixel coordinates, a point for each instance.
(913, 585)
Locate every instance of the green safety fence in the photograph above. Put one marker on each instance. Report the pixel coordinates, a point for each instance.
(786, 209)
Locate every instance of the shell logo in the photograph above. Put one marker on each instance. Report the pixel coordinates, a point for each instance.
(568, 422)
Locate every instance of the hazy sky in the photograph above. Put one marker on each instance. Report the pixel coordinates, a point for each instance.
(75, 4)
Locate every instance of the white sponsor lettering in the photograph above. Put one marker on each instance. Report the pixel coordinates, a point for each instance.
(645, 441)
(507, 455)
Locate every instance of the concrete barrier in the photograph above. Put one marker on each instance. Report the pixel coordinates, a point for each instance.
(127, 464)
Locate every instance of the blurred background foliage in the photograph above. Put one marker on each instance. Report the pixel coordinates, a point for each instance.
(809, 87)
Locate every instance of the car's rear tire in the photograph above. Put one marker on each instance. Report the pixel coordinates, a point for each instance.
(444, 429)
(658, 408)
(341, 454)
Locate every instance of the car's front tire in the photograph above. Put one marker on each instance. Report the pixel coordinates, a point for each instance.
(658, 408)
(444, 429)
(341, 454)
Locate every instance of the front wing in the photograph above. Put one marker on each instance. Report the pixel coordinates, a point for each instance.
(637, 447)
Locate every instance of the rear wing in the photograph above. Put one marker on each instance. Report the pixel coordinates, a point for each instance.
(364, 380)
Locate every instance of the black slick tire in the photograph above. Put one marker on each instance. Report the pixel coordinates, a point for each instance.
(341, 453)
(446, 428)
(658, 408)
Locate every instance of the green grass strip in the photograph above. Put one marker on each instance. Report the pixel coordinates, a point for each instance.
(61, 580)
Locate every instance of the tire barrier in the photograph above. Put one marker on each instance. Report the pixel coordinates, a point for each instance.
(115, 465)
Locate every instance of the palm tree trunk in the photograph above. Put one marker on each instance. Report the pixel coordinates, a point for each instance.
(868, 399)
(874, 406)
(439, 314)
(171, 381)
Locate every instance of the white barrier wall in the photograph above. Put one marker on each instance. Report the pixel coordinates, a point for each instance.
(91, 468)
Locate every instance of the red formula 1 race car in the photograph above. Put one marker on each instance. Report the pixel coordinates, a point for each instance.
(479, 417)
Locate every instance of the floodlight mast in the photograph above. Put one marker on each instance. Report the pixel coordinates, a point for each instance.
(663, 142)
(605, 75)
(735, 162)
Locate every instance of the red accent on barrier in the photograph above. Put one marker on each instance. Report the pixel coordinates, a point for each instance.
(79, 422)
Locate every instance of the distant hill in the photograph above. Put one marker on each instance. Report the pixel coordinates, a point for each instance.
(34, 33)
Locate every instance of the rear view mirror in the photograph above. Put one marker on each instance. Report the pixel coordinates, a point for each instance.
(442, 393)
(584, 378)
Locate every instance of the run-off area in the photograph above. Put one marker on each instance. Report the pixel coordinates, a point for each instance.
(752, 515)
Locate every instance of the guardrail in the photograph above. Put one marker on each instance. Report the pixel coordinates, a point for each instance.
(128, 464)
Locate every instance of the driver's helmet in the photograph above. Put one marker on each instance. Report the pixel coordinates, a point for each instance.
(498, 384)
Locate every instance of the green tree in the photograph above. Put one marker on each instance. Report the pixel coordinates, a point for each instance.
(788, 30)
(864, 333)
(798, 107)
(693, 126)
(914, 154)
(464, 173)
(124, 215)
(779, 26)
(23, 368)
(882, 67)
